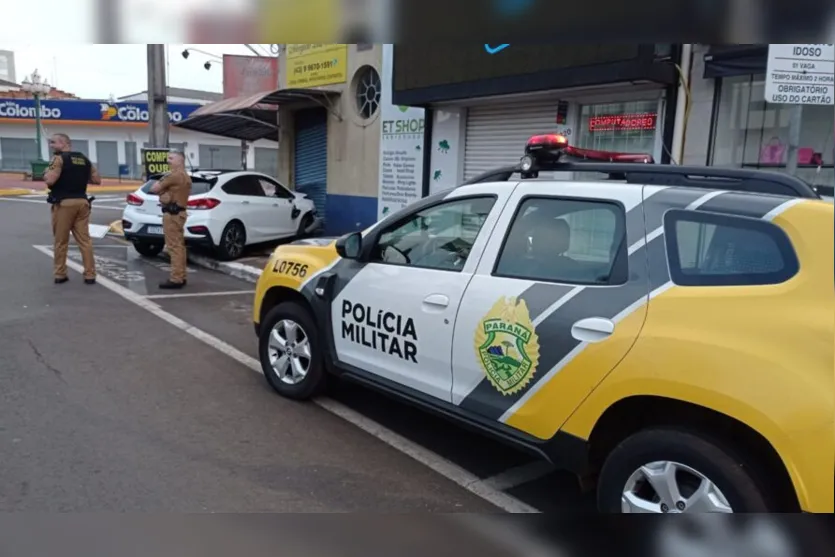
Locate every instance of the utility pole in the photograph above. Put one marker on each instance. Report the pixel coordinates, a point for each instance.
(109, 29)
(157, 96)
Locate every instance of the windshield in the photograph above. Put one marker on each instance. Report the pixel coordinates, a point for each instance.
(198, 187)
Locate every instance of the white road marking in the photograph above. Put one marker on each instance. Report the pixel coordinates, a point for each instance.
(437, 463)
(198, 294)
(519, 475)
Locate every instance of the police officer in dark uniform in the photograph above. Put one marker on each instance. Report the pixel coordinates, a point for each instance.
(67, 177)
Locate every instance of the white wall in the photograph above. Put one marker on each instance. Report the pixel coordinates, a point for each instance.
(144, 98)
(122, 134)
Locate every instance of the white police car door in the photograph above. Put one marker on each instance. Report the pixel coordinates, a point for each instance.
(557, 300)
(394, 318)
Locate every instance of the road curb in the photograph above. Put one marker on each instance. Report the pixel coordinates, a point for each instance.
(116, 228)
(15, 192)
(110, 189)
(236, 270)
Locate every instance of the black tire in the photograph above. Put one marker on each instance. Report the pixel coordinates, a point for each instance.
(314, 382)
(232, 242)
(148, 249)
(307, 220)
(711, 458)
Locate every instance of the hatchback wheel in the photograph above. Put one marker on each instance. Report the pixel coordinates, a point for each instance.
(148, 249)
(232, 241)
(290, 352)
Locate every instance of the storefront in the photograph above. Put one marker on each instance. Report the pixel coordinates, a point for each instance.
(748, 132)
(113, 134)
(484, 102)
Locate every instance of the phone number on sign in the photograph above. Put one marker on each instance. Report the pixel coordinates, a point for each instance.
(315, 67)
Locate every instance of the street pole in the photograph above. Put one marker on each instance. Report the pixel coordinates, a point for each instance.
(157, 96)
(38, 126)
(795, 115)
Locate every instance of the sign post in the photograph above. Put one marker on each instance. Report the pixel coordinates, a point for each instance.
(800, 74)
(155, 161)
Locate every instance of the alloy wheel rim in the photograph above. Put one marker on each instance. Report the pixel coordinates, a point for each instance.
(234, 241)
(667, 487)
(289, 351)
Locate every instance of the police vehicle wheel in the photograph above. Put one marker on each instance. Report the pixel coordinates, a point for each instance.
(290, 353)
(148, 249)
(666, 471)
(232, 241)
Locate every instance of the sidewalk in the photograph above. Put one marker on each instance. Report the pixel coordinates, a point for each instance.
(14, 184)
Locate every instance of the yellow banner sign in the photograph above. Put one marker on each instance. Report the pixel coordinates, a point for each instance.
(312, 65)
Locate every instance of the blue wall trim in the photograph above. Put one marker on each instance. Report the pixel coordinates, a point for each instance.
(349, 213)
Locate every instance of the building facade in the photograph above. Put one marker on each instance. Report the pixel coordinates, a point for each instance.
(112, 134)
(484, 101)
(731, 125)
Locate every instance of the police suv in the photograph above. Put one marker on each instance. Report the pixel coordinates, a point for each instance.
(665, 332)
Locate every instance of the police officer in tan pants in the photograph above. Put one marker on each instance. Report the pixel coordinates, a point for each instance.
(67, 177)
(174, 190)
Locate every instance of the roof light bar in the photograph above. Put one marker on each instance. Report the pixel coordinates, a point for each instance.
(546, 150)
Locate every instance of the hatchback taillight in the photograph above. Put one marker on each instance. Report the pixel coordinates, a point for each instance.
(203, 204)
(134, 199)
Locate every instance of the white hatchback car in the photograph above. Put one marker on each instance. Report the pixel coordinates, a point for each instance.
(227, 211)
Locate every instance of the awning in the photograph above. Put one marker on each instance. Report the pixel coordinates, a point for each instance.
(737, 59)
(246, 118)
(252, 117)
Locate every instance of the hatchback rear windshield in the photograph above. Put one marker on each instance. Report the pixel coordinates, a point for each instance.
(198, 187)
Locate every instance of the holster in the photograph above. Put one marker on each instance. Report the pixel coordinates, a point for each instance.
(172, 208)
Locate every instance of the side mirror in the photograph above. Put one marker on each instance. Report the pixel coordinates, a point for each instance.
(349, 246)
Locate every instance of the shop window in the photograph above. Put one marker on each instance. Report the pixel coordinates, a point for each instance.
(627, 127)
(751, 133)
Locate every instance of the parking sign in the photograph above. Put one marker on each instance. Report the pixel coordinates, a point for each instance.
(800, 74)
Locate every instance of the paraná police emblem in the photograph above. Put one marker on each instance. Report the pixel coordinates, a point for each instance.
(507, 346)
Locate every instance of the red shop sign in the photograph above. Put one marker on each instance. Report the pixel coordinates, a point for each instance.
(622, 122)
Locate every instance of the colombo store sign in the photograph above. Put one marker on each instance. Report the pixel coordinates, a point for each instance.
(88, 112)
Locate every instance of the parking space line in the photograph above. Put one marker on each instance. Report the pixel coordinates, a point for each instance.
(199, 294)
(437, 463)
(520, 475)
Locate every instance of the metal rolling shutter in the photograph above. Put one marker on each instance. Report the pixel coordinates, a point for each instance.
(496, 134)
(225, 157)
(311, 156)
(266, 161)
(17, 154)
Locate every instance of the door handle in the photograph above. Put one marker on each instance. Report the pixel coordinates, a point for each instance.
(436, 300)
(245, 202)
(593, 329)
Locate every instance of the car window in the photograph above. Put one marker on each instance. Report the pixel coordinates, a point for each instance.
(438, 237)
(244, 185)
(273, 189)
(707, 249)
(567, 241)
(198, 187)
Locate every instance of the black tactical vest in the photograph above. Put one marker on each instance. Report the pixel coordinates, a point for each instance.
(75, 174)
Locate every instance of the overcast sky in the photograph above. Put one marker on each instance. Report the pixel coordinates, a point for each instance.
(97, 71)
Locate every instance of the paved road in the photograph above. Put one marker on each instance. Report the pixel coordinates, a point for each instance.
(106, 406)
